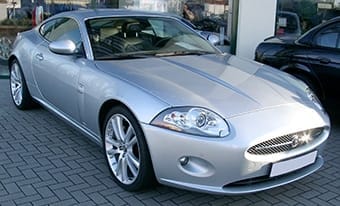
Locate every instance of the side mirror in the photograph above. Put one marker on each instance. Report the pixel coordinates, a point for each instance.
(214, 39)
(65, 47)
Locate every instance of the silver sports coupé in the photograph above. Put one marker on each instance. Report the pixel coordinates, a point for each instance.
(166, 105)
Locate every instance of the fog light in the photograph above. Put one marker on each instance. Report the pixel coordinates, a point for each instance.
(184, 160)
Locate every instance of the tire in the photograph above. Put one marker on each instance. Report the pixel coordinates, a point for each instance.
(126, 151)
(18, 87)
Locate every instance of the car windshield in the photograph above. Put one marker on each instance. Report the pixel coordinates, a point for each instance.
(139, 37)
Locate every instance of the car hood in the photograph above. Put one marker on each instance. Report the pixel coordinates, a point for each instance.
(223, 83)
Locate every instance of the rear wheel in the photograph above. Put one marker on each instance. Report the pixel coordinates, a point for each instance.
(19, 91)
(126, 151)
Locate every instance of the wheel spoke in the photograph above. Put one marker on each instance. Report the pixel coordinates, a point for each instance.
(15, 93)
(112, 152)
(114, 127)
(14, 80)
(117, 124)
(132, 142)
(129, 133)
(112, 142)
(124, 166)
(16, 73)
(17, 96)
(133, 165)
(118, 166)
(134, 160)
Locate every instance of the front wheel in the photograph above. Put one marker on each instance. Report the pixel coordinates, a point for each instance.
(126, 151)
(19, 91)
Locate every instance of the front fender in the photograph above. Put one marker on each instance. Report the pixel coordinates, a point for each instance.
(296, 69)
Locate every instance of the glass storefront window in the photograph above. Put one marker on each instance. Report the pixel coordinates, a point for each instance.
(295, 17)
(208, 16)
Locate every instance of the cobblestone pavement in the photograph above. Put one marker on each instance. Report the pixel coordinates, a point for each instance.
(44, 161)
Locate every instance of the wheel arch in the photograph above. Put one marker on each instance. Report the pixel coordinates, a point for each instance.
(11, 59)
(303, 70)
(104, 109)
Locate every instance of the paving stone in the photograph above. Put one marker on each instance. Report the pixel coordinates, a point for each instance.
(97, 198)
(45, 192)
(319, 201)
(150, 202)
(45, 201)
(29, 173)
(62, 194)
(81, 187)
(10, 197)
(133, 201)
(334, 202)
(8, 203)
(64, 203)
(27, 199)
(328, 196)
(28, 190)
(80, 196)
(166, 196)
(12, 188)
(261, 203)
(114, 199)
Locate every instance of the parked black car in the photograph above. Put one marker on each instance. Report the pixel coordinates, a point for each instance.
(314, 57)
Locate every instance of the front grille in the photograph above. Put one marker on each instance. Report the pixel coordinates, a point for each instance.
(286, 142)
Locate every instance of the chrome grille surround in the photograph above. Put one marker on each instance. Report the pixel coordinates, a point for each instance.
(286, 142)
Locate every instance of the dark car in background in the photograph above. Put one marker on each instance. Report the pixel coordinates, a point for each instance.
(314, 57)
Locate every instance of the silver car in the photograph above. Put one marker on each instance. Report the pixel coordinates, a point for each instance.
(166, 105)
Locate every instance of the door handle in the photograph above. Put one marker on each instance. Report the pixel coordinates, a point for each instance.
(324, 60)
(39, 56)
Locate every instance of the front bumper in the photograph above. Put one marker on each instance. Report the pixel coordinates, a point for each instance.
(219, 165)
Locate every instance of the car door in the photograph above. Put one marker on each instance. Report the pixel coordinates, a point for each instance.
(325, 58)
(57, 75)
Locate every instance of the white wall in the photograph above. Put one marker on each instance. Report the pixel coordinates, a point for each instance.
(3, 11)
(256, 21)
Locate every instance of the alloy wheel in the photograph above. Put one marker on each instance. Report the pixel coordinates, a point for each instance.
(16, 84)
(122, 149)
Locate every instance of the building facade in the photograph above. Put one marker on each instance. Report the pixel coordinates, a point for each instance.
(242, 23)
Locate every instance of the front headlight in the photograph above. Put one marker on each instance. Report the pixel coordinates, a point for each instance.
(193, 120)
(311, 96)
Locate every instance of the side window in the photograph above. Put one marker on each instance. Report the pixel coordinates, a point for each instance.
(60, 29)
(329, 37)
(47, 28)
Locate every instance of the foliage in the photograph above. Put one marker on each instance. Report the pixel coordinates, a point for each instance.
(17, 22)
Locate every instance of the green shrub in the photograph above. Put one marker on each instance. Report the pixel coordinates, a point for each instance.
(17, 22)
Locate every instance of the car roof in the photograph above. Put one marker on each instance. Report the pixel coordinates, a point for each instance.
(83, 14)
(306, 37)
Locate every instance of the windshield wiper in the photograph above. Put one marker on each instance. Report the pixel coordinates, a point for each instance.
(180, 53)
(124, 56)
